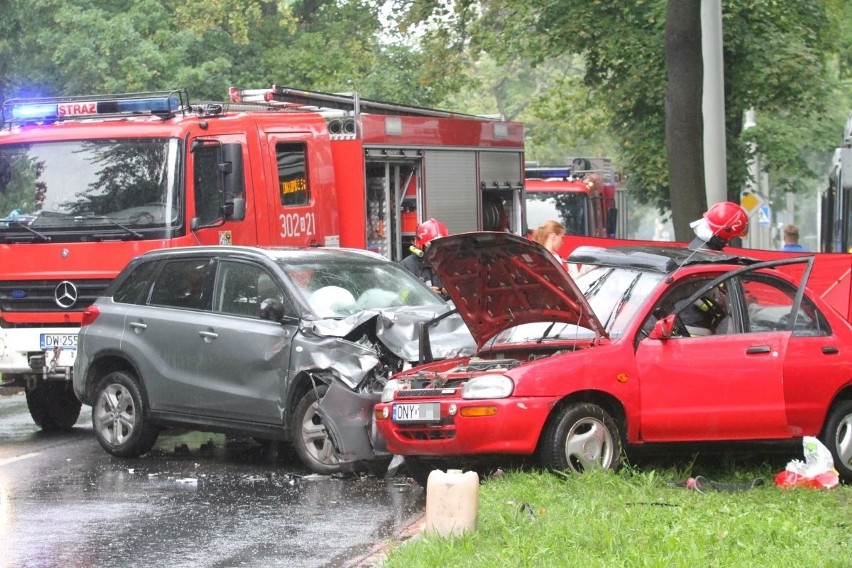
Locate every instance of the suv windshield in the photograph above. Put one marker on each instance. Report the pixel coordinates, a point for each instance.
(345, 287)
(89, 187)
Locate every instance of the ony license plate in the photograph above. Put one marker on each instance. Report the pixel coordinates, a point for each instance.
(61, 340)
(420, 412)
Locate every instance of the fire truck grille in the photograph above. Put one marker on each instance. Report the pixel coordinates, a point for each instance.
(49, 295)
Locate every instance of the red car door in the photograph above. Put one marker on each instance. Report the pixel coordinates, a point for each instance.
(720, 387)
(725, 386)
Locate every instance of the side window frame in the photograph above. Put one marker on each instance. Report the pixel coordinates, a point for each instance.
(293, 181)
(207, 182)
(253, 284)
(185, 283)
(815, 325)
(135, 287)
(733, 275)
(699, 285)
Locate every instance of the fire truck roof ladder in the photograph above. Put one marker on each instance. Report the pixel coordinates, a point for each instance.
(42, 110)
(351, 102)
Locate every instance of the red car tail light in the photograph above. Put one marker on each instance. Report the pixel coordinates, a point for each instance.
(90, 314)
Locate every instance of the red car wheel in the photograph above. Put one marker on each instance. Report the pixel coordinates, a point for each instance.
(580, 438)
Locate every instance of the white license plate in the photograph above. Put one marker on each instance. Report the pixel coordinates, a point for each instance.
(61, 340)
(421, 412)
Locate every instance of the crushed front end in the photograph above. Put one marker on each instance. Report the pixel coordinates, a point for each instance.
(459, 407)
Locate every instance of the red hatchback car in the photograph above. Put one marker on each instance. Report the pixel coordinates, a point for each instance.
(646, 345)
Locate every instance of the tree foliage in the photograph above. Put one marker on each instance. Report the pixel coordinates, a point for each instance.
(782, 59)
(585, 76)
(62, 47)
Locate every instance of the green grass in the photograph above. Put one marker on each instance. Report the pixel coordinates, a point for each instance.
(644, 518)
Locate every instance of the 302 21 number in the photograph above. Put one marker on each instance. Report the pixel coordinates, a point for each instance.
(294, 225)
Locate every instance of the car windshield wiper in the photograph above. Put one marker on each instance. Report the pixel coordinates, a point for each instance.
(597, 285)
(135, 234)
(622, 302)
(41, 236)
(546, 332)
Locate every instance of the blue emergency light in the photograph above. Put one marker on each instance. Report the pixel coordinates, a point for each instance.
(28, 112)
(548, 173)
(41, 110)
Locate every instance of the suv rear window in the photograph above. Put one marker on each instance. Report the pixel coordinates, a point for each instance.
(134, 288)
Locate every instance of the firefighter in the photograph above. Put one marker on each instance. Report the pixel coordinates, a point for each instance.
(719, 225)
(426, 232)
(706, 314)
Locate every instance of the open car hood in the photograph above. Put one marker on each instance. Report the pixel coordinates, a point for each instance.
(499, 280)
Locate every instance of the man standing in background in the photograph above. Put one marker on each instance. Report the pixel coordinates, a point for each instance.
(791, 239)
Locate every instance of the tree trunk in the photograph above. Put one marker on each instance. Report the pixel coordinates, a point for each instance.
(684, 132)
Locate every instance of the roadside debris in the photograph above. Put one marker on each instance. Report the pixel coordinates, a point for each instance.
(816, 472)
(702, 484)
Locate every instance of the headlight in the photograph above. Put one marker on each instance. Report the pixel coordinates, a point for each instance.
(488, 386)
(390, 387)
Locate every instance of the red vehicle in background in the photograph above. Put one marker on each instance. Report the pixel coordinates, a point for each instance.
(580, 196)
(89, 182)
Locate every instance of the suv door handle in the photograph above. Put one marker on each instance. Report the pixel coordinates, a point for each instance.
(208, 335)
(830, 350)
(757, 350)
(138, 326)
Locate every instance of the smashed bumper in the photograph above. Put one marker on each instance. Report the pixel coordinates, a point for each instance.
(465, 427)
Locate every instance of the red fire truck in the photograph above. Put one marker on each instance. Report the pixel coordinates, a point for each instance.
(88, 182)
(580, 196)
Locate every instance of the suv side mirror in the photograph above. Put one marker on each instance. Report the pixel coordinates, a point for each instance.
(663, 328)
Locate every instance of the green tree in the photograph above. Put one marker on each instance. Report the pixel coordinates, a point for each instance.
(683, 115)
(66, 47)
(777, 61)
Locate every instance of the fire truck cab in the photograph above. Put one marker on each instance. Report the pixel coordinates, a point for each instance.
(89, 182)
(580, 196)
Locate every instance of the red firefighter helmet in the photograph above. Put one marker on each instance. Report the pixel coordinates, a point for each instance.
(727, 220)
(429, 230)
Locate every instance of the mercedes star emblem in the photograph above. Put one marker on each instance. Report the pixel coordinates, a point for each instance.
(65, 294)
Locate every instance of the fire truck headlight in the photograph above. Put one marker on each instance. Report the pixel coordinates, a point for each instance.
(488, 386)
(391, 387)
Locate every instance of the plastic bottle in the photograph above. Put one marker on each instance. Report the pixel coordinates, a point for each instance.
(452, 502)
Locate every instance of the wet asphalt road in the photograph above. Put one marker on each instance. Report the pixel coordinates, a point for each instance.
(196, 500)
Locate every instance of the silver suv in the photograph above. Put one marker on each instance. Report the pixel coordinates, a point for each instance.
(249, 340)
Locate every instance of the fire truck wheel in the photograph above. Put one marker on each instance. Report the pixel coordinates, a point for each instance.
(580, 437)
(119, 417)
(53, 405)
(312, 442)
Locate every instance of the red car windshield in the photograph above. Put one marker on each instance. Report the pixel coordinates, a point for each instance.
(615, 294)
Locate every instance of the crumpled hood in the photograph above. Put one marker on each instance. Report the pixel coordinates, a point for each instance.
(499, 280)
(399, 328)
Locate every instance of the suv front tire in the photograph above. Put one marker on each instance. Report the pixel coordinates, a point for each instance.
(119, 416)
